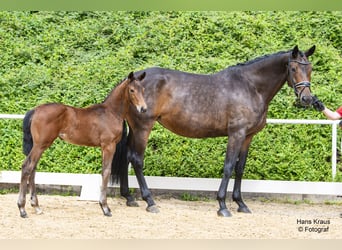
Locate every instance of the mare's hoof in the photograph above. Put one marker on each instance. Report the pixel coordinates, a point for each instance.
(152, 209)
(132, 204)
(244, 210)
(224, 213)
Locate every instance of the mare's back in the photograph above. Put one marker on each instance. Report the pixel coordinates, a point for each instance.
(201, 91)
(182, 100)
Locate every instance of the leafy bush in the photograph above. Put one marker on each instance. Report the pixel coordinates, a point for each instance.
(78, 57)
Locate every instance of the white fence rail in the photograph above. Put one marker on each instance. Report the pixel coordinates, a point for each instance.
(334, 126)
(91, 183)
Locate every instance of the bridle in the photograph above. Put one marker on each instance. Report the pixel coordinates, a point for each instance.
(304, 84)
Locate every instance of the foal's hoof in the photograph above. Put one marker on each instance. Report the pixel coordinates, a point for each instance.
(152, 209)
(224, 213)
(38, 210)
(106, 210)
(23, 215)
(108, 214)
(132, 204)
(244, 210)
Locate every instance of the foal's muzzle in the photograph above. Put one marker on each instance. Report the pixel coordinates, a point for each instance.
(141, 109)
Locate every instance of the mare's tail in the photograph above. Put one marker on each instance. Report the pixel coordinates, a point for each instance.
(27, 136)
(120, 161)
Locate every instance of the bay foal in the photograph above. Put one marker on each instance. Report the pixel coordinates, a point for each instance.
(99, 125)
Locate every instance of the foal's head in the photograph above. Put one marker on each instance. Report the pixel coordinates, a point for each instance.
(136, 92)
(299, 74)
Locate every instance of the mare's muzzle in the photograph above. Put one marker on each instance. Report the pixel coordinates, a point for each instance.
(305, 100)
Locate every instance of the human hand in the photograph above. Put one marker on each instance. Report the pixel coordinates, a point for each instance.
(317, 104)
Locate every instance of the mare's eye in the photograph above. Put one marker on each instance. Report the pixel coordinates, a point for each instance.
(131, 90)
(293, 69)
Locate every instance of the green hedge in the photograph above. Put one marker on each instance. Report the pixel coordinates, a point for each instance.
(78, 57)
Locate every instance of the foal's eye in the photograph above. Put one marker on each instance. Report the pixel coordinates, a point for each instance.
(131, 90)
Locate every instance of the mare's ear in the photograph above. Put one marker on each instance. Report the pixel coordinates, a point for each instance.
(310, 51)
(142, 76)
(130, 76)
(295, 52)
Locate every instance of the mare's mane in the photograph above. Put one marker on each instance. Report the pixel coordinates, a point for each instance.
(117, 85)
(258, 59)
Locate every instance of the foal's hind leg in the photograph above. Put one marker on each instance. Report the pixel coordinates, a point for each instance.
(25, 173)
(28, 174)
(34, 199)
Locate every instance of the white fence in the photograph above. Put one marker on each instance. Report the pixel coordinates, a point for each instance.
(91, 183)
(334, 126)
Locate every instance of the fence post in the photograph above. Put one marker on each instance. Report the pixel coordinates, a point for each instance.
(334, 149)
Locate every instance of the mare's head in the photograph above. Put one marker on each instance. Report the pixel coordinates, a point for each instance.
(299, 74)
(135, 92)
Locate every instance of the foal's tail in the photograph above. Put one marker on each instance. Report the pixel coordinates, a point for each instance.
(27, 136)
(120, 161)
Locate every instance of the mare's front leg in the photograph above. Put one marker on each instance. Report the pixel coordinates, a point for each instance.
(233, 149)
(107, 157)
(239, 169)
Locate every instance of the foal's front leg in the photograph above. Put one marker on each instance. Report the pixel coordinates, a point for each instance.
(107, 157)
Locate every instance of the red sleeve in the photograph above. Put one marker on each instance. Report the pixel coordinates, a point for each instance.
(339, 110)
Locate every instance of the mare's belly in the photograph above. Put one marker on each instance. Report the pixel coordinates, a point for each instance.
(195, 128)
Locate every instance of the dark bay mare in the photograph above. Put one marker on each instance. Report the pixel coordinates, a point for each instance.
(232, 102)
(99, 125)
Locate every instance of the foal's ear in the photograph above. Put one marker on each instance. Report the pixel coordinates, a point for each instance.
(142, 76)
(310, 51)
(295, 51)
(130, 76)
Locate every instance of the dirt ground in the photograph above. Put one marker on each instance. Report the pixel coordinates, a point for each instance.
(69, 218)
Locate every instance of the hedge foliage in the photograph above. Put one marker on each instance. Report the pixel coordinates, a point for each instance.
(77, 57)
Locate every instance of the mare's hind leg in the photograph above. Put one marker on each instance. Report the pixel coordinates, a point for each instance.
(107, 157)
(28, 174)
(233, 148)
(136, 149)
(239, 168)
(124, 190)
